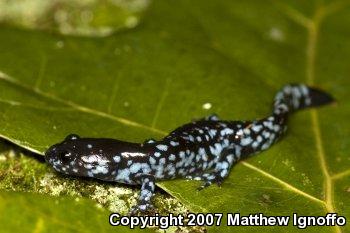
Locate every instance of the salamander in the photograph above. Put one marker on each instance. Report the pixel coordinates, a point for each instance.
(204, 149)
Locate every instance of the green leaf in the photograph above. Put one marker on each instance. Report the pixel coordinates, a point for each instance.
(38, 213)
(231, 56)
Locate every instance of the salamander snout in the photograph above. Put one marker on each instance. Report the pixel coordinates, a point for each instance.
(81, 157)
(59, 158)
(62, 156)
(50, 154)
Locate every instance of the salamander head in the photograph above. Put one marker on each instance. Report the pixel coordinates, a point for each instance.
(79, 157)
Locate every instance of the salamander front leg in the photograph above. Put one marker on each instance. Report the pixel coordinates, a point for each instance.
(212, 117)
(147, 191)
(149, 141)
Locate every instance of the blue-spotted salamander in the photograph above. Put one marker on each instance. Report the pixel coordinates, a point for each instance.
(204, 149)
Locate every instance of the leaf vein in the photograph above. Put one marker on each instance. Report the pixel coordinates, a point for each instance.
(283, 183)
(293, 14)
(161, 102)
(41, 72)
(341, 174)
(313, 35)
(113, 95)
(81, 108)
(21, 104)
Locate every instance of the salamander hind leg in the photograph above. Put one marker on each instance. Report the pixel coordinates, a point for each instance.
(147, 191)
(210, 178)
(220, 171)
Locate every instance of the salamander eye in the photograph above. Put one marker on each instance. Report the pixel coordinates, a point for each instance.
(64, 156)
(71, 137)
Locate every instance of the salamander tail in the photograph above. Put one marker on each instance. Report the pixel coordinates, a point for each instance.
(299, 96)
(319, 97)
